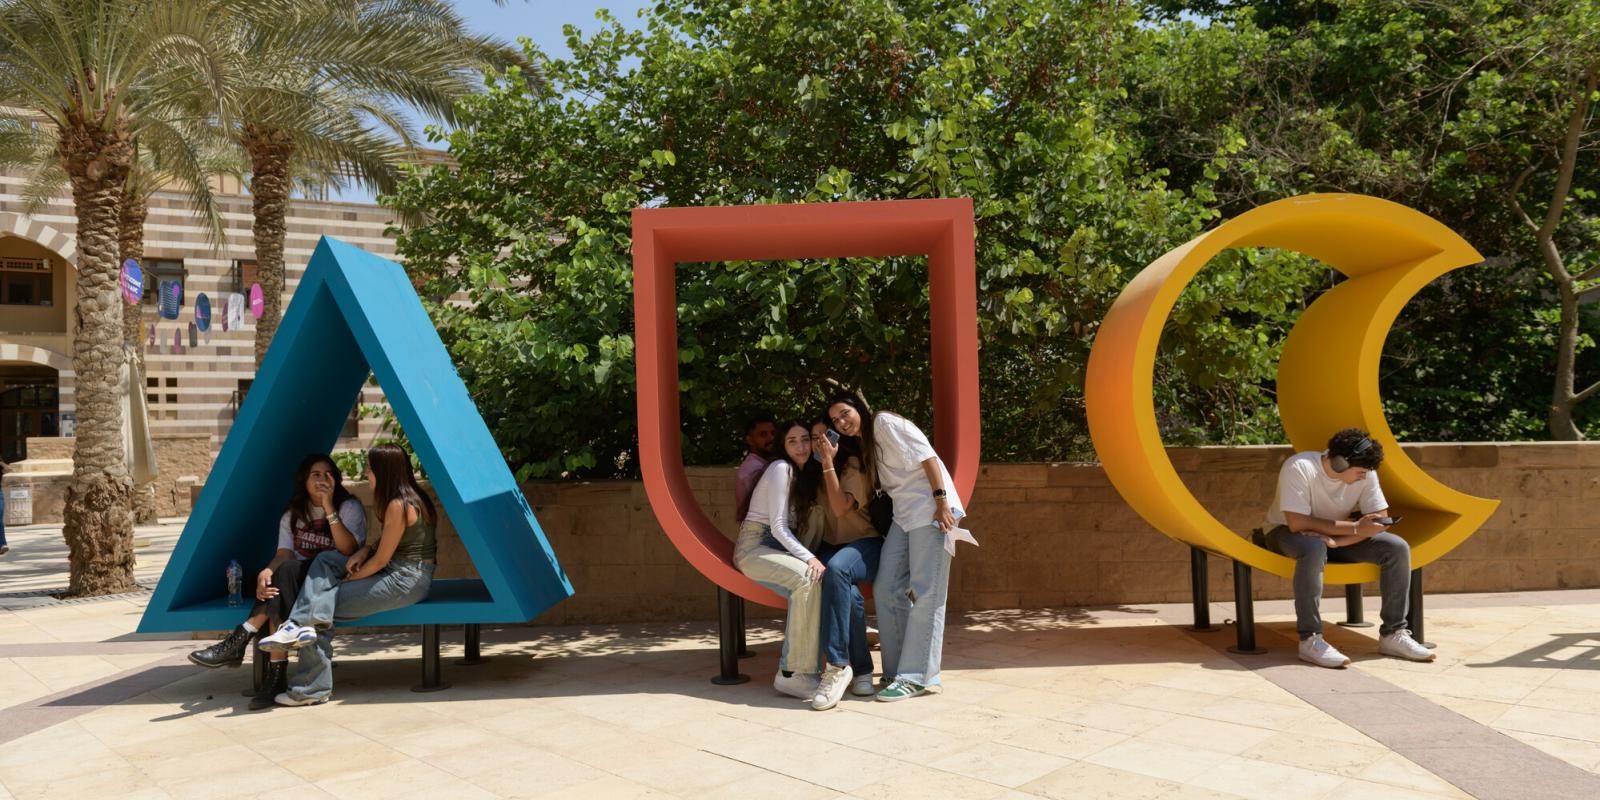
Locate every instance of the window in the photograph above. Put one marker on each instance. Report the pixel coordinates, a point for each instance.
(26, 282)
(244, 274)
(159, 271)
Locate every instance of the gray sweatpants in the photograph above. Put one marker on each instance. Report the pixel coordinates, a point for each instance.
(1390, 552)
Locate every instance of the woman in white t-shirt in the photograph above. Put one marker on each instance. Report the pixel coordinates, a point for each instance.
(321, 515)
(914, 568)
(775, 547)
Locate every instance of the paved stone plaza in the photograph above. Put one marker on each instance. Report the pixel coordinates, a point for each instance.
(1070, 703)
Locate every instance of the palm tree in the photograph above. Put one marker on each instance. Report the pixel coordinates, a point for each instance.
(161, 163)
(103, 74)
(321, 86)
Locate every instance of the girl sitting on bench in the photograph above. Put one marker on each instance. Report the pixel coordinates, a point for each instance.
(392, 572)
(321, 517)
(771, 551)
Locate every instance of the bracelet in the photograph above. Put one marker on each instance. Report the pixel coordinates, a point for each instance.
(829, 469)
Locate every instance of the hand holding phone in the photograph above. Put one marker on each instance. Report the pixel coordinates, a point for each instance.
(1388, 521)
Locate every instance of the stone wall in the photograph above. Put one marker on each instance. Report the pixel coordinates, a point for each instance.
(182, 460)
(1058, 534)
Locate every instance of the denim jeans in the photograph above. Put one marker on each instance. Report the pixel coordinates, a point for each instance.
(326, 597)
(910, 592)
(844, 610)
(1390, 552)
(757, 555)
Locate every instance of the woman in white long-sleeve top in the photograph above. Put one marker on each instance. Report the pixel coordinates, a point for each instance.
(913, 577)
(771, 551)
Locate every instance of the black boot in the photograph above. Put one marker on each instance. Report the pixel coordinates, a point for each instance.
(276, 683)
(229, 652)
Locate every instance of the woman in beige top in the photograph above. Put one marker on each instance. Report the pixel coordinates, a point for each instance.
(849, 548)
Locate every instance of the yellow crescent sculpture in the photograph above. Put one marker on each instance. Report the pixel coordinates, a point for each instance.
(1327, 376)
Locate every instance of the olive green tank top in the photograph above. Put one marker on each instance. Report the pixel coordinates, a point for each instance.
(417, 542)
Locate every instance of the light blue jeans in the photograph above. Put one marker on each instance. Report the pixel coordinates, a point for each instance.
(327, 597)
(758, 555)
(910, 591)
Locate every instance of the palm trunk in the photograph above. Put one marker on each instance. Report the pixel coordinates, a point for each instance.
(270, 151)
(130, 244)
(98, 523)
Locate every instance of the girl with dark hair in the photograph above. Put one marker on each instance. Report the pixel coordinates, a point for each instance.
(913, 578)
(773, 549)
(850, 549)
(392, 572)
(321, 517)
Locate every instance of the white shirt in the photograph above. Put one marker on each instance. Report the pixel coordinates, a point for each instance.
(1305, 488)
(769, 505)
(901, 449)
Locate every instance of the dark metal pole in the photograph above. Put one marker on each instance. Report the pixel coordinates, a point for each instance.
(474, 647)
(1200, 585)
(1354, 614)
(1245, 610)
(744, 649)
(258, 664)
(1414, 610)
(432, 674)
(728, 639)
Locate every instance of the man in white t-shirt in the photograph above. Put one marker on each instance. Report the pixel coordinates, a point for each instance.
(1310, 519)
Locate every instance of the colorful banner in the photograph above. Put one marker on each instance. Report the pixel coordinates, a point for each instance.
(257, 302)
(171, 297)
(132, 282)
(202, 312)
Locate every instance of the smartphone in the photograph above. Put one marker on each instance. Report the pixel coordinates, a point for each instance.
(832, 435)
(1387, 521)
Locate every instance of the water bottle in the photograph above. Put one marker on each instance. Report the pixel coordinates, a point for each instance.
(235, 580)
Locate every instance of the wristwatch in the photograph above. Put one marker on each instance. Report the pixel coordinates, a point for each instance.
(937, 493)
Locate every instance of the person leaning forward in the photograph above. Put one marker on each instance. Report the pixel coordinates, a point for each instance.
(1310, 519)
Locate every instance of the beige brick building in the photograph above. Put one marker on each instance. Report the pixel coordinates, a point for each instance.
(192, 392)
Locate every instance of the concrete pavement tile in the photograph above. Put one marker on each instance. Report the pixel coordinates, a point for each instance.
(1303, 750)
(1000, 764)
(1085, 781)
(1207, 734)
(1064, 739)
(1170, 762)
(930, 783)
(1262, 780)
(1117, 717)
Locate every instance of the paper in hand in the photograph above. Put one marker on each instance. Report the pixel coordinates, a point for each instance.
(957, 535)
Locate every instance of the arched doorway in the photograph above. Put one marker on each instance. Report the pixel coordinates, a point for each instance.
(30, 405)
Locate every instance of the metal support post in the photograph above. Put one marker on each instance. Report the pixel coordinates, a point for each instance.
(728, 613)
(1200, 585)
(1354, 615)
(1245, 610)
(432, 673)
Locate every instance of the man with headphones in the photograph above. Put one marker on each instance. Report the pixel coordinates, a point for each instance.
(1310, 520)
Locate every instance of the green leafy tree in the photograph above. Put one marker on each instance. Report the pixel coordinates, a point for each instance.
(1020, 105)
(1472, 112)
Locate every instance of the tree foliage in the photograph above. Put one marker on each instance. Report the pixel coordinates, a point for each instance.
(1092, 138)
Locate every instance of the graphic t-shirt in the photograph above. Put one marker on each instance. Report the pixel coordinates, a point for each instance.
(312, 536)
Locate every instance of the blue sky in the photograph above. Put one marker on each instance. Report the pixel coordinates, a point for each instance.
(539, 20)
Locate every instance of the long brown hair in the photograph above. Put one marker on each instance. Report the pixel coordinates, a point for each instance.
(866, 444)
(393, 479)
(299, 507)
(807, 479)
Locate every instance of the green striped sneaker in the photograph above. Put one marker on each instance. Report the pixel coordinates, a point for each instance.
(900, 689)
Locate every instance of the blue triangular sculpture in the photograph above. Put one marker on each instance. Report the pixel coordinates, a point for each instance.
(354, 312)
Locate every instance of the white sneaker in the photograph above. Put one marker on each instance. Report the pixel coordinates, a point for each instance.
(801, 684)
(1316, 650)
(830, 690)
(862, 686)
(288, 636)
(286, 699)
(1400, 645)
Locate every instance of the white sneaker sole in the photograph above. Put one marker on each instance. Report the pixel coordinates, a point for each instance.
(1429, 658)
(1325, 664)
